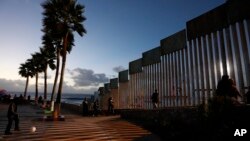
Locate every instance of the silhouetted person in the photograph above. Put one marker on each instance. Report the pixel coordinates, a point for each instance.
(226, 87)
(40, 100)
(12, 115)
(85, 108)
(96, 107)
(29, 98)
(234, 92)
(223, 86)
(111, 105)
(155, 99)
(21, 96)
(248, 95)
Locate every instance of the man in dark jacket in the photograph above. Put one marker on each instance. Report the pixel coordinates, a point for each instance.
(12, 115)
(111, 105)
(85, 107)
(96, 107)
(155, 99)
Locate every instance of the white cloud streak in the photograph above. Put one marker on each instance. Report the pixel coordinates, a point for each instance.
(87, 77)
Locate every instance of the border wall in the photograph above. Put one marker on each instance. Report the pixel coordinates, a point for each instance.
(187, 65)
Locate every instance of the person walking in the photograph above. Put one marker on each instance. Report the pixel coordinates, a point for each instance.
(85, 108)
(96, 107)
(155, 99)
(111, 105)
(12, 115)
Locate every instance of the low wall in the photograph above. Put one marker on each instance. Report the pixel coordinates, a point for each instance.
(168, 123)
(75, 109)
(71, 108)
(151, 115)
(190, 122)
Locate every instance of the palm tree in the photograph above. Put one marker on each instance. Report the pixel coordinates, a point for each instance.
(53, 44)
(47, 57)
(57, 72)
(24, 71)
(36, 68)
(63, 17)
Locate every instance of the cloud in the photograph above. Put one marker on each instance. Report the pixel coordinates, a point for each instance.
(87, 77)
(12, 85)
(82, 90)
(75, 81)
(18, 86)
(118, 69)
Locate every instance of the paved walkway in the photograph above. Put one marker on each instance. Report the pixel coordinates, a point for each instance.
(74, 128)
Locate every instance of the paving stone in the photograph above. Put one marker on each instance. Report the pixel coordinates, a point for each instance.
(74, 128)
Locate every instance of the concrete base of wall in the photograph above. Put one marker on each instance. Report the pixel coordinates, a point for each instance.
(190, 122)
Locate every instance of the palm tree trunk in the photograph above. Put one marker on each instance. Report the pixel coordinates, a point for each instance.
(26, 87)
(57, 72)
(36, 97)
(45, 83)
(57, 111)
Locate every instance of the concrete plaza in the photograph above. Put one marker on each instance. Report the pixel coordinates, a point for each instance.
(74, 128)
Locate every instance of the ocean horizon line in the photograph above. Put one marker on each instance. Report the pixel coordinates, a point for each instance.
(71, 98)
(18, 92)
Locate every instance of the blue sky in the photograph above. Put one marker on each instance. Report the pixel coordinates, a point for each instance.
(118, 31)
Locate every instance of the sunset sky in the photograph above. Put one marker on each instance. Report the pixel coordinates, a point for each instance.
(118, 32)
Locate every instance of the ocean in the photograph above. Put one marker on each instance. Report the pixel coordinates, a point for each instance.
(75, 99)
